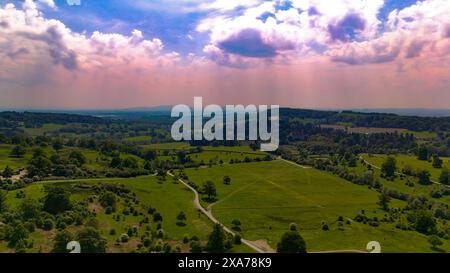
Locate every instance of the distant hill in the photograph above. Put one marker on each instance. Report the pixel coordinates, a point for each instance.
(420, 112)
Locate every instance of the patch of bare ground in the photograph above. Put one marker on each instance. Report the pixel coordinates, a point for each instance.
(96, 207)
(263, 245)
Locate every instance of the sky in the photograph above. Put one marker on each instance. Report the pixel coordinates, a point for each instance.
(296, 53)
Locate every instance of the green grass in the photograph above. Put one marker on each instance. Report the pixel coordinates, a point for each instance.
(266, 197)
(422, 134)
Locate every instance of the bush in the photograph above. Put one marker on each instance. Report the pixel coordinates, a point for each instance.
(293, 227)
(124, 238)
(160, 233)
(30, 226)
(47, 224)
(291, 242)
(237, 239)
(196, 247)
(91, 240)
(112, 231)
(157, 217)
(109, 210)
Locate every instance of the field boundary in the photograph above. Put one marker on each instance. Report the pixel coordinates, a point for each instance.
(399, 173)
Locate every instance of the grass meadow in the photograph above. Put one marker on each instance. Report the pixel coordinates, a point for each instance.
(266, 197)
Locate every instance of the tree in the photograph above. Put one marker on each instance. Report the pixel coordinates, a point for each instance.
(383, 201)
(424, 177)
(61, 240)
(434, 241)
(181, 216)
(226, 180)
(39, 166)
(150, 155)
(181, 155)
(444, 178)
(209, 189)
(422, 153)
(130, 163)
(16, 234)
(38, 152)
(8, 172)
(77, 158)
(424, 222)
(157, 217)
(18, 151)
(108, 199)
(216, 240)
(57, 200)
(57, 144)
(437, 162)
(30, 209)
(91, 241)
(3, 206)
(236, 225)
(116, 162)
(291, 242)
(389, 167)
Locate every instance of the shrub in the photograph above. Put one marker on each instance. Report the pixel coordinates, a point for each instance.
(237, 239)
(47, 224)
(293, 227)
(124, 238)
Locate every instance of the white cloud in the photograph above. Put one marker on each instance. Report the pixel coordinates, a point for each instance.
(345, 30)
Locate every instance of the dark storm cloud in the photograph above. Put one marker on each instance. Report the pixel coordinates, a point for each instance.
(345, 29)
(248, 43)
(58, 51)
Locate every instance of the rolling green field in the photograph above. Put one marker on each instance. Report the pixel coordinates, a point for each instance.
(266, 197)
(168, 198)
(403, 160)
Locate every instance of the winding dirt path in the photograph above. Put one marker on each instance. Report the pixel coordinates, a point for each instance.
(255, 246)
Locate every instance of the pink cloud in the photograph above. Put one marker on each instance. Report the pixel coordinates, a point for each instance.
(46, 64)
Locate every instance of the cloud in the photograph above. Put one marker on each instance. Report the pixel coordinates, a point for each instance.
(57, 49)
(347, 28)
(248, 42)
(285, 53)
(346, 31)
(47, 39)
(410, 33)
(50, 3)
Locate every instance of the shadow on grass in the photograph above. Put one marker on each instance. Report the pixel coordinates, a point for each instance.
(209, 200)
(437, 249)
